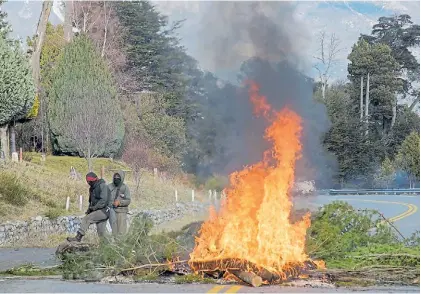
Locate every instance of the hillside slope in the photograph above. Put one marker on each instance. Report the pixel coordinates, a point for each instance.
(34, 188)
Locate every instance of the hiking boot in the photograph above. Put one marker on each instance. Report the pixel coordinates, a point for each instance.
(77, 238)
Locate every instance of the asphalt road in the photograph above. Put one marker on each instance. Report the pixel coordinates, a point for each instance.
(58, 286)
(43, 257)
(403, 210)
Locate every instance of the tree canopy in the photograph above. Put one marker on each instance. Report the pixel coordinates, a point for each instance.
(84, 111)
(17, 90)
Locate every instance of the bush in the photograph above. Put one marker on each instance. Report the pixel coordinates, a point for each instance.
(54, 213)
(12, 190)
(137, 247)
(83, 109)
(217, 183)
(347, 238)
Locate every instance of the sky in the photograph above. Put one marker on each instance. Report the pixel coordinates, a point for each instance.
(346, 19)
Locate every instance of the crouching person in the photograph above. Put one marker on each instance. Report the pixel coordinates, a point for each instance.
(120, 195)
(99, 208)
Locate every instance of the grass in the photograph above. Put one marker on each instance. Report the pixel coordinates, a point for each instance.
(192, 278)
(36, 188)
(31, 270)
(149, 277)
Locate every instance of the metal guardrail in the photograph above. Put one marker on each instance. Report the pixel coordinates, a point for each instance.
(374, 191)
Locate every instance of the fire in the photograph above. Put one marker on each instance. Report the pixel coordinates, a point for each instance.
(253, 223)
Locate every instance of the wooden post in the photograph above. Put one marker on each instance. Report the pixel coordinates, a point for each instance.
(155, 172)
(192, 195)
(80, 202)
(176, 195)
(210, 195)
(215, 195)
(20, 154)
(67, 203)
(102, 172)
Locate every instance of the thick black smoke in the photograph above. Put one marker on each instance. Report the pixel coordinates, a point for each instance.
(232, 32)
(266, 35)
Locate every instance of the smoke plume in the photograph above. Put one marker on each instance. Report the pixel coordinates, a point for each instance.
(269, 44)
(232, 32)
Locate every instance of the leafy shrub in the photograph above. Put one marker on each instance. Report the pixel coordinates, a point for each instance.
(347, 238)
(138, 246)
(217, 183)
(12, 190)
(27, 156)
(338, 229)
(54, 212)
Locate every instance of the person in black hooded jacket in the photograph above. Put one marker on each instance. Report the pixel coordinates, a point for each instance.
(120, 195)
(99, 207)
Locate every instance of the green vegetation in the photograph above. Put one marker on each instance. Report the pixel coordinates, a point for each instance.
(349, 239)
(217, 183)
(31, 270)
(17, 91)
(138, 247)
(42, 187)
(176, 117)
(12, 191)
(408, 157)
(84, 111)
(191, 278)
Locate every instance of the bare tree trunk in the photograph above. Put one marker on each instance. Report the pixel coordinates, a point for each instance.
(12, 137)
(362, 99)
(367, 102)
(68, 25)
(39, 39)
(324, 90)
(89, 159)
(42, 126)
(414, 103)
(394, 113)
(105, 29)
(36, 55)
(4, 141)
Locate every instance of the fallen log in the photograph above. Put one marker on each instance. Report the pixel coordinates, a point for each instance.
(72, 247)
(289, 272)
(248, 277)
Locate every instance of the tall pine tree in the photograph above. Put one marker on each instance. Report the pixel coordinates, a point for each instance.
(84, 112)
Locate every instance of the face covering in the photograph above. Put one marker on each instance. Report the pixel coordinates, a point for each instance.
(91, 183)
(116, 181)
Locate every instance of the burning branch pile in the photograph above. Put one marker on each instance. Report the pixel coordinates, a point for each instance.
(253, 232)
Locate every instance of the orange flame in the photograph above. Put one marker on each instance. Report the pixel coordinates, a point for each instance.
(253, 223)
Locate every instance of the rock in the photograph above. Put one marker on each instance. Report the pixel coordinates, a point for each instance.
(93, 276)
(117, 280)
(24, 230)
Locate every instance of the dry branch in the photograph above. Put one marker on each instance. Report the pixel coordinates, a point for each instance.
(164, 266)
(290, 271)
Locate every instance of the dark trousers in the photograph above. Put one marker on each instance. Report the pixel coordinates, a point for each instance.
(98, 217)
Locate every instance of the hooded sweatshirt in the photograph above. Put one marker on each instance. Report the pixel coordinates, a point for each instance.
(99, 196)
(121, 193)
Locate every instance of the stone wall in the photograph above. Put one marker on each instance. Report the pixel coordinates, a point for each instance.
(22, 231)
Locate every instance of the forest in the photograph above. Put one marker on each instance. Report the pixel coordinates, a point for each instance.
(114, 81)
